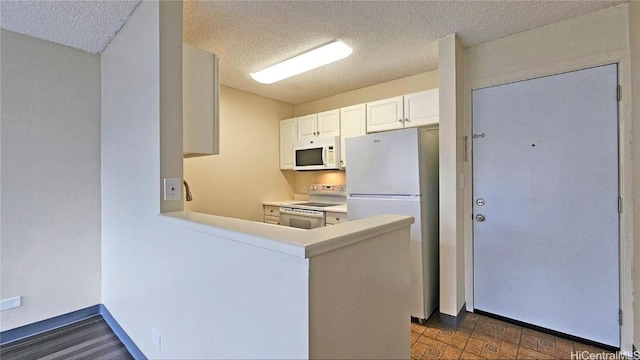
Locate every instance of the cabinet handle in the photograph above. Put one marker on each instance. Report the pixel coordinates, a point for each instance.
(407, 120)
(400, 120)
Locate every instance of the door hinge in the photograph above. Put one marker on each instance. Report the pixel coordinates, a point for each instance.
(466, 147)
(619, 205)
(620, 316)
(618, 92)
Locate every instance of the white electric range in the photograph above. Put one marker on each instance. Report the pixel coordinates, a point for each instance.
(311, 214)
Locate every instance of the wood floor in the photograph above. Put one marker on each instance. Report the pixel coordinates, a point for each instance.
(87, 339)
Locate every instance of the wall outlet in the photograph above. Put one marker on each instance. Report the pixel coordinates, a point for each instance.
(12, 303)
(172, 189)
(156, 338)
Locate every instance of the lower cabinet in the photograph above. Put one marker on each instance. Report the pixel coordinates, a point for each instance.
(333, 218)
(271, 214)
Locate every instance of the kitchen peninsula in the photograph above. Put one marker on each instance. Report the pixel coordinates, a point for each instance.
(331, 292)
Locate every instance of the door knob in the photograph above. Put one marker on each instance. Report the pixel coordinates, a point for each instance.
(480, 218)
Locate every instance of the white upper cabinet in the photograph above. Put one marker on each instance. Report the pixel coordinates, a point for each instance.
(383, 115)
(317, 125)
(288, 135)
(422, 108)
(308, 127)
(329, 123)
(417, 109)
(352, 123)
(200, 108)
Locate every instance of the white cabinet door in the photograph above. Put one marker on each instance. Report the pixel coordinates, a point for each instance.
(329, 123)
(307, 126)
(385, 115)
(288, 133)
(352, 123)
(422, 108)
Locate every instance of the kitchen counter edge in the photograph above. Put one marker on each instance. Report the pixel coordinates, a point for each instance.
(283, 202)
(288, 240)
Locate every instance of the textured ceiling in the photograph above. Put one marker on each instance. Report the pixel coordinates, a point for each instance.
(390, 39)
(85, 25)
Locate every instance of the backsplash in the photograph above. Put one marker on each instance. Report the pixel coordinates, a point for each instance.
(306, 178)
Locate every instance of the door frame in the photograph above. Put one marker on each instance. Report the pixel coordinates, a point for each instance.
(621, 58)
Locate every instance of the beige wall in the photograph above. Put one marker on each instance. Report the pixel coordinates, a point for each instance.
(634, 41)
(247, 170)
(594, 39)
(596, 33)
(50, 193)
(406, 85)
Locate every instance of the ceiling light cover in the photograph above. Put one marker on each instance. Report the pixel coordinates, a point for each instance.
(312, 59)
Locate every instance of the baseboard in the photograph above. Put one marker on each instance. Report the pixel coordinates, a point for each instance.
(39, 327)
(454, 321)
(121, 334)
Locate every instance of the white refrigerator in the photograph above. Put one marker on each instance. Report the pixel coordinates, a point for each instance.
(396, 172)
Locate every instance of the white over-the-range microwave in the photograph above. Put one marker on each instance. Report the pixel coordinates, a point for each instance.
(321, 153)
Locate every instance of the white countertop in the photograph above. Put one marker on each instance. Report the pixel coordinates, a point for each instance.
(338, 208)
(284, 239)
(283, 202)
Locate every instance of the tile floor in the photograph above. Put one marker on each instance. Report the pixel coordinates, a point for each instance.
(481, 337)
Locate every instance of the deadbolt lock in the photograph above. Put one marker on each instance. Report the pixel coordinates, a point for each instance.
(480, 201)
(480, 218)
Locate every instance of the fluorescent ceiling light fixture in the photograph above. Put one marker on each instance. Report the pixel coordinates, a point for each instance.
(312, 59)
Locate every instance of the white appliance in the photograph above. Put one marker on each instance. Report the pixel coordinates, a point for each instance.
(396, 172)
(311, 214)
(317, 154)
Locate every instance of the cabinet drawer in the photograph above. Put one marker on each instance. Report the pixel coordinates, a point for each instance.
(272, 219)
(335, 218)
(271, 210)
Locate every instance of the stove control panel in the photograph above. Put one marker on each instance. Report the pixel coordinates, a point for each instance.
(328, 189)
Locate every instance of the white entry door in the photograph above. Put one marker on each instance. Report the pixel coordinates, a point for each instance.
(545, 185)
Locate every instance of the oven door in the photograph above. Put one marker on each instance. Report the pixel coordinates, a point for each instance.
(302, 219)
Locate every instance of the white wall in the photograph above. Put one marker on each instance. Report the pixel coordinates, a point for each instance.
(346, 320)
(156, 275)
(50, 138)
(451, 84)
(247, 170)
(598, 38)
